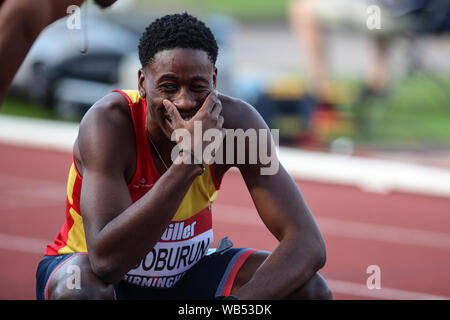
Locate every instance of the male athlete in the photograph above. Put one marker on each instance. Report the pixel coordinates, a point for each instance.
(139, 222)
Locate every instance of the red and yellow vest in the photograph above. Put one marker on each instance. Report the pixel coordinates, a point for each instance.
(185, 241)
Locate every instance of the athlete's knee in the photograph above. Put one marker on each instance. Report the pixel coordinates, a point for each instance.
(318, 289)
(315, 288)
(62, 291)
(75, 280)
(248, 269)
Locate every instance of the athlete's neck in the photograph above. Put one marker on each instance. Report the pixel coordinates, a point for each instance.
(160, 141)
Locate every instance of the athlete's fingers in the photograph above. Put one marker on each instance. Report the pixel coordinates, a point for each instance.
(217, 109)
(173, 113)
(169, 124)
(224, 132)
(209, 102)
(217, 103)
(220, 121)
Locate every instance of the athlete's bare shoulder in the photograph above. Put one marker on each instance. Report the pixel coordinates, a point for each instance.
(239, 114)
(106, 135)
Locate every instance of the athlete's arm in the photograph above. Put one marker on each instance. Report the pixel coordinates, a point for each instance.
(118, 232)
(21, 21)
(301, 249)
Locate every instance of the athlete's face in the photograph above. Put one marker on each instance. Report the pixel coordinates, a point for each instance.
(183, 76)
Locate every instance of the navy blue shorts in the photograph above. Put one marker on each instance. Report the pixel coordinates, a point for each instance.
(211, 277)
(47, 268)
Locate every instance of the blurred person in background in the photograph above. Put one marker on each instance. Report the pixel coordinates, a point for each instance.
(21, 21)
(311, 20)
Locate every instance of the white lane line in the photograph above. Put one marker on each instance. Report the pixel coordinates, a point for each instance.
(7, 179)
(20, 192)
(372, 175)
(37, 246)
(346, 228)
(48, 134)
(22, 244)
(39, 193)
(30, 204)
(355, 289)
(384, 233)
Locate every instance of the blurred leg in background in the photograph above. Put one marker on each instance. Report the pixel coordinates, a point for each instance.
(313, 20)
(21, 21)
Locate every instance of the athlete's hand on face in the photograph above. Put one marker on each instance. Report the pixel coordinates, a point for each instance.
(209, 117)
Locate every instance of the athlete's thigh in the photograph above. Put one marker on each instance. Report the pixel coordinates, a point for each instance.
(248, 268)
(314, 288)
(213, 276)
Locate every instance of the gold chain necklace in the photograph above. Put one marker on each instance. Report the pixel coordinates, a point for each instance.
(157, 152)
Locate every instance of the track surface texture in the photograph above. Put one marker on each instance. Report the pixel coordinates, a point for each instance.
(406, 235)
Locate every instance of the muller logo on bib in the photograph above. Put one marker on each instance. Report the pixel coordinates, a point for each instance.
(178, 231)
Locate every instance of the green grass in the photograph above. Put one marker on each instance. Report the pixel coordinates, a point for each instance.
(416, 112)
(244, 10)
(248, 9)
(18, 107)
(24, 108)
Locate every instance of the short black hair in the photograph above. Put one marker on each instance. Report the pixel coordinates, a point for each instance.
(176, 31)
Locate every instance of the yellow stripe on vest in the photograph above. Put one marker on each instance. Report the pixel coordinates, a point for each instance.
(76, 240)
(133, 95)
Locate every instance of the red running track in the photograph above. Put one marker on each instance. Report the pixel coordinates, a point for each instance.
(407, 236)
